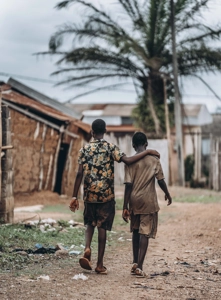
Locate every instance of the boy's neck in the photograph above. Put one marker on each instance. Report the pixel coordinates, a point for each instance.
(98, 136)
(140, 149)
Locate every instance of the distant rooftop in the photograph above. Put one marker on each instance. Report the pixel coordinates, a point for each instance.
(196, 115)
(109, 109)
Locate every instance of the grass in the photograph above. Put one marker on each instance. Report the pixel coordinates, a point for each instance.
(119, 203)
(198, 199)
(58, 208)
(185, 198)
(19, 237)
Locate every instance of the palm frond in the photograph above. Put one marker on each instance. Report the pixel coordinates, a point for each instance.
(103, 88)
(198, 59)
(207, 85)
(209, 33)
(98, 56)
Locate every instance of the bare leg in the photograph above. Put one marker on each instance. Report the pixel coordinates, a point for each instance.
(102, 237)
(143, 245)
(85, 261)
(135, 243)
(88, 238)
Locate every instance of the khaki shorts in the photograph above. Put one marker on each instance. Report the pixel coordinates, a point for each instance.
(146, 224)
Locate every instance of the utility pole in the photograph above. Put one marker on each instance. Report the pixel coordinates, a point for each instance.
(177, 104)
(167, 122)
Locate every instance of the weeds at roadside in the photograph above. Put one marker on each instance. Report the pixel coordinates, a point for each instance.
(198, 199)
(17, 236)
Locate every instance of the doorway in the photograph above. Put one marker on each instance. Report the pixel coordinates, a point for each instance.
(62, 157)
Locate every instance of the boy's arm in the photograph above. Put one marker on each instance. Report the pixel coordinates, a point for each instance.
(127, 193)
(163, 187)
(132, 159)
(74, 202)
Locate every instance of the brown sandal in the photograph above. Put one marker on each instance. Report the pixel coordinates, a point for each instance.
(133, 269)
(140, 273)
(85, 262)
(101, 272)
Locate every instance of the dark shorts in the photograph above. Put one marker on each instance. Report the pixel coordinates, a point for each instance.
(99, 214)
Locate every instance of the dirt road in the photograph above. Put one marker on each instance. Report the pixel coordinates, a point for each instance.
(184, 262)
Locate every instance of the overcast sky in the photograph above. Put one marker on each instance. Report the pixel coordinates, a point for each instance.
(26, 26)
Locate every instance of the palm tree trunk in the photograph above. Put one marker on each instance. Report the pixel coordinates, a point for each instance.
(152, 108)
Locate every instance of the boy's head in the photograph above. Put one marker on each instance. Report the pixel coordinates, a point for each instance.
(139, 139)
(98, 126)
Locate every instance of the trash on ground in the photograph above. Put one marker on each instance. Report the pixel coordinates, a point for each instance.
(40, 250)
(184, 263)
(165, 273)
(121, 239)
(60, 247)
(80, 276)
(48, 221)
(43, 277)
(61, 253)
(23, 253)
(75, 252)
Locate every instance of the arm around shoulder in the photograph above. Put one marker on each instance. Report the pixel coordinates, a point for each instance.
(128, 160)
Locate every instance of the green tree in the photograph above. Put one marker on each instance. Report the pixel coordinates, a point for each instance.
(134, 43)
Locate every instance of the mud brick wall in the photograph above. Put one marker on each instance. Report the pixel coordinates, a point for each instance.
(34, 152)
(71, 165)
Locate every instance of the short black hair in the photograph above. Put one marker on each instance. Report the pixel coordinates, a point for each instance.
(139, 139)
(99, 126)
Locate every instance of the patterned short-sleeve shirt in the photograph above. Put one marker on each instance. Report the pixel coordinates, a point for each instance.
(97, 159)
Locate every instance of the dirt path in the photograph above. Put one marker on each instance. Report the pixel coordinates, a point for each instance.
(185, 260)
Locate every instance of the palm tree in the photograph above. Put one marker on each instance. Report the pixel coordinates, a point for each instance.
(135, 43)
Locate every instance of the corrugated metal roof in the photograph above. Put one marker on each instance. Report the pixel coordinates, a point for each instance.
(17, 98)
(21, 100)
(33, 94)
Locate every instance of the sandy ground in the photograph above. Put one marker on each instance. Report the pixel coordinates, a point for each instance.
(184, 262)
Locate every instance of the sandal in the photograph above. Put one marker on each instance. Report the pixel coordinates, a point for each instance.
(133, 269)
(101, 272)
(85, 262)
(140, 273)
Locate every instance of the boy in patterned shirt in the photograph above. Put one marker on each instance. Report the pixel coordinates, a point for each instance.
(96, 164)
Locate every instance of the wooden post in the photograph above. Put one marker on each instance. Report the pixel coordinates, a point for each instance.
(0, 145)
(177, 105)
(7, 199)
